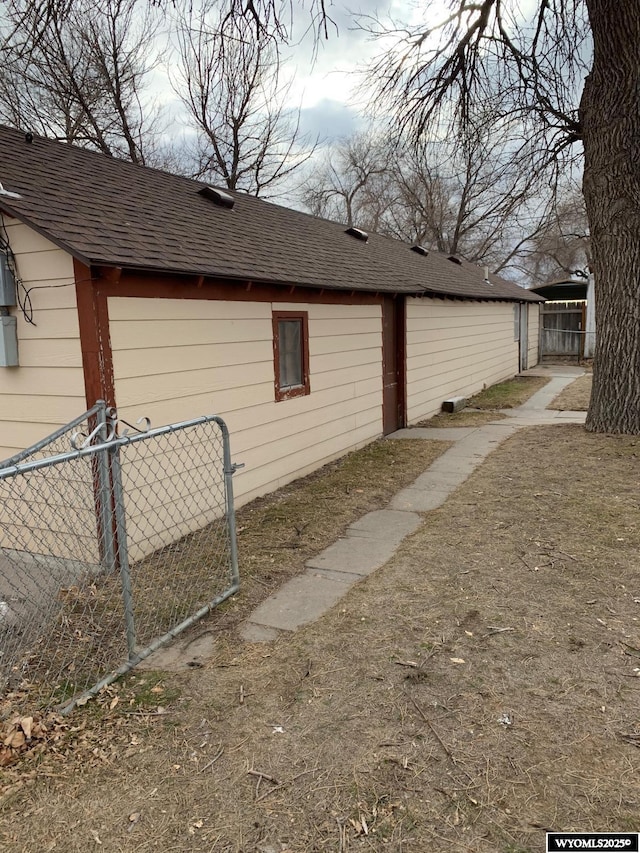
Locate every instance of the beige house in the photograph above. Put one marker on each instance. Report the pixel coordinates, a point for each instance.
(170, 299)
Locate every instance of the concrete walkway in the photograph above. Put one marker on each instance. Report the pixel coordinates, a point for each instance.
(370, 542)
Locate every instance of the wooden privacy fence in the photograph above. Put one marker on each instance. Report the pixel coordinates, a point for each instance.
(562, 328)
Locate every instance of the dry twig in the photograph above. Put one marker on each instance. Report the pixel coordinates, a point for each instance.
(213, 760)
(443, 745)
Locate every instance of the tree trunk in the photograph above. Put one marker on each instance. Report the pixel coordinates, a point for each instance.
(610, 121)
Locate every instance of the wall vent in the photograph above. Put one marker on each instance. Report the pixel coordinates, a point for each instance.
(218, 197)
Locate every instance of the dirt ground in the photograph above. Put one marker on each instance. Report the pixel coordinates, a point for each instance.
(574, 398)
(480, 688)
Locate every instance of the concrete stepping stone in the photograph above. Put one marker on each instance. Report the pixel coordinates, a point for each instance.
(371, 541)
(301, 600)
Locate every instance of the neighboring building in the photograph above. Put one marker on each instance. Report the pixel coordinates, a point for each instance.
(171, 299)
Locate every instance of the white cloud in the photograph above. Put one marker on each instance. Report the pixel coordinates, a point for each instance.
(328, 120)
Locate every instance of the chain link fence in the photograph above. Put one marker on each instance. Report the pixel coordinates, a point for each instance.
(110, 549)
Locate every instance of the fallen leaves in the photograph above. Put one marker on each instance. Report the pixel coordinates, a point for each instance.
(20, 734)
(371, 819)
(360, 826)
(26, 723)
(134, 817)
(59, 743)
(39, 744)
(197, 824)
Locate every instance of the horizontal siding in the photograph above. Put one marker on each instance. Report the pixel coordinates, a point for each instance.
(455, 349)
(130, 363)
(54, 352)
(134, 334)
(50, 411)
(47, 389)
(43, 381)
(57, 519)
(306, 428)
(17, 433)
(176, 359)
(185, 493)
(534, 335)
(149, 310)
(50, 265)
(241, 381)
(51, 324)
(250, 483)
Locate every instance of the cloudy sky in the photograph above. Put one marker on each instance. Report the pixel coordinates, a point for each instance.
(327, 76)
(330, 82)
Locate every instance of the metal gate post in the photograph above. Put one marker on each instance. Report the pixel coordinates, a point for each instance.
(123, 551)
(229, 471)
(105, 505)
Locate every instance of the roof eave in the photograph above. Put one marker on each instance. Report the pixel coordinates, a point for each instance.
(417, 290)
(225, 276)
(9, 210)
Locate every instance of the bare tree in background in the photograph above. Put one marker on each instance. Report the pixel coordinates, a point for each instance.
(560, 248)
(270, 18)
(569, 70)
(229, 80)
(476, 199)
(352, 185)
(79, 75)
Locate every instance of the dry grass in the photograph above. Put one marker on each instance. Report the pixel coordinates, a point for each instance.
(462, 419)
(574, 398)
(276, 536)
(572, 360)
(504, 395)
(508, 395)
(480, 688)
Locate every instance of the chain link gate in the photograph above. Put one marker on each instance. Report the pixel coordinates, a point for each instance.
(111, 549)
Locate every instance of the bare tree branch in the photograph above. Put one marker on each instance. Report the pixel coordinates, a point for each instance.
(80, 77)
(568, 70)
(478, 199)
(483, 53)
(228, 79)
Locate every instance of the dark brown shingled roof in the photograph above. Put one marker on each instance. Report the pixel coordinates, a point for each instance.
(110, 212)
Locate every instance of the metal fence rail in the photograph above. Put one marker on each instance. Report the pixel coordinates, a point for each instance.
(59, 441)
(109, 550)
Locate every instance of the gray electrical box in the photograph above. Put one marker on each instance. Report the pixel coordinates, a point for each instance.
(7, 283)
(8, 342)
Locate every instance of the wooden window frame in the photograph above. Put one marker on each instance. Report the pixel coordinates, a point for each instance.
(297, 390)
